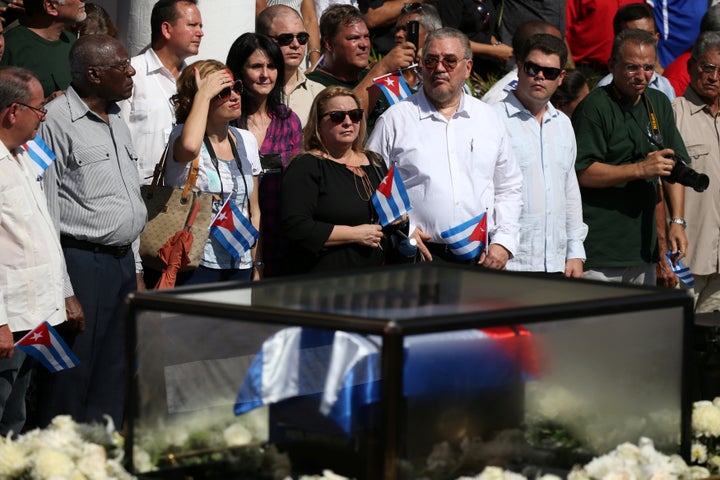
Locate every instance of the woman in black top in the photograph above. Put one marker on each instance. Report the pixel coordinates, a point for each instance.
(326, 211)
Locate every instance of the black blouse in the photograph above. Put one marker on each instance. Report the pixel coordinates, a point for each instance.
(318, 194)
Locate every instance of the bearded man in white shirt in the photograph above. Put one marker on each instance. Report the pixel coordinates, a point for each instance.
(176, 27)
(454, 155)
(552, 229)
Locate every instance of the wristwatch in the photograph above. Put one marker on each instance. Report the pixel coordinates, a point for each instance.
(679, 221)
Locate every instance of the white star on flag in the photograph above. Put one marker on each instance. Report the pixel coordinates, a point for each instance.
(36, 335)
(389, 81)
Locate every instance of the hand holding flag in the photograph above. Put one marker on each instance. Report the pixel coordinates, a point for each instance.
(467, 240)
(234, 232)
(47, 346)
(391, 200)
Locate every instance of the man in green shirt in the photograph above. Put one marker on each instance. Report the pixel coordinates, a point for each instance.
(41, 43)
(621, 130)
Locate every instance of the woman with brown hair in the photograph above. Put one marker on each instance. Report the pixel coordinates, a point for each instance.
(207, 100)
(326, 207)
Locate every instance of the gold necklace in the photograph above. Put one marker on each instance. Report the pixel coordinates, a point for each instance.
(366, 189)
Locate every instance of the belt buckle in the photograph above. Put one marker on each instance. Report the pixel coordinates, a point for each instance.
(121, 251)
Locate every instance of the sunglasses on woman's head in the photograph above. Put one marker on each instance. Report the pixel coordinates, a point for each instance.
(285, 39)
(225, 93)
(338, 116)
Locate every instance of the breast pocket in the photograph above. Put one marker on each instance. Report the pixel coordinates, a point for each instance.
(699, 157)
(14, 204)
(90, 156)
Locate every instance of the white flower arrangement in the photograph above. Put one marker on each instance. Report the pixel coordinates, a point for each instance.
(64, 450)
(705, 449)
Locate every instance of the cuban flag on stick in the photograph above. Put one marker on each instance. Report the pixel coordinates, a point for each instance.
(682, 272)
(44, 344)
(391, 199)
(394, 87)
(467, 239)
(41, 155)
(233, 230)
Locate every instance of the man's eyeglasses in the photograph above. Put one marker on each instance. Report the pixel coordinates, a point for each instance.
(338, 116)
(41, 112)
(709, 68)
(123, 66)
(550, 73)
(412, 7)
(450, 62)
(634, 67)
(285, 39)
(225, 93)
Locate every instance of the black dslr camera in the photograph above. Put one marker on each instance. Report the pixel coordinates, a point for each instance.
(686, 176)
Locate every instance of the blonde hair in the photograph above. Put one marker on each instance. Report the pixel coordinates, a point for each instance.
(311, 136)
(187, 87)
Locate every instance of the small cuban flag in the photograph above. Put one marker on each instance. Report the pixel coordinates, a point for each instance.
(391, 199)
(466, 240)
(394, 87)
(44, 344)
(41, 155)
(234, 232)
(682, 272)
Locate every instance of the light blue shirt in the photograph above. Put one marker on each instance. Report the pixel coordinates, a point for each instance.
(658, 82)
(551, 225)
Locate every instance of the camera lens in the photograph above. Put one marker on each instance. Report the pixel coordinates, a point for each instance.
(688, 177)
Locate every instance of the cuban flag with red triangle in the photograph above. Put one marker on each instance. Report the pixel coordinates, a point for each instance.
(47, 346)
(391, 199)
(394, 87)
(234, 232)
(466, 240)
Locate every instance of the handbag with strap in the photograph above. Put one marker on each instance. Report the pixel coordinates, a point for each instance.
(168, 209)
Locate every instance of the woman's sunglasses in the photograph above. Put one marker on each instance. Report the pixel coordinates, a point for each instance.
(225, 93)
(338, 116)
(285, 39)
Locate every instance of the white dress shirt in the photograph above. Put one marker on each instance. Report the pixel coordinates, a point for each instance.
(148, 112)
(454, 170)
(551, 224)
(32, 266)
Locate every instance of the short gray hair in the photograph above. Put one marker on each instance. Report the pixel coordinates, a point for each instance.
(15, 85)
(706, 41)
(449, 32)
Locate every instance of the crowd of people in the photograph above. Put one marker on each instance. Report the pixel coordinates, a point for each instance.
(294, 132)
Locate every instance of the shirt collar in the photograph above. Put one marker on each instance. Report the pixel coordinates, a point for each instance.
(427, 109)
(155, 65)
(516, 108)
(78, 108)
(696, 103)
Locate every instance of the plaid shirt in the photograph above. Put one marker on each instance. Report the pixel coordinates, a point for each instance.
(284, 137)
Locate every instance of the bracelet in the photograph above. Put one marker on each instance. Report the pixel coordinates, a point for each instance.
(314, 50)
(258, 264)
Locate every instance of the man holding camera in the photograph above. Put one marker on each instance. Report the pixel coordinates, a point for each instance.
(696, 114)
(627, 143)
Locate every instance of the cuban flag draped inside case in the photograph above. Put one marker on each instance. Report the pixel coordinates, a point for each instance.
(44, 344)
(467, 239)
(394, 87)
(234, 232)
(40, 153)
(391, 199)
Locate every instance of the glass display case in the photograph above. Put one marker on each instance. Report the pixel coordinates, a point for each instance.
(416, 371)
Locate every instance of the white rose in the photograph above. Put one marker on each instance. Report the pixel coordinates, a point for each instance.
(63, 422)
(236, 435)
(578, 473)
(698, 452)
(330, 475)
(716, 402)
(492, 473)
(12, 460)
(706, 419)
(92, 462)
(51, 463)
(699, 472)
